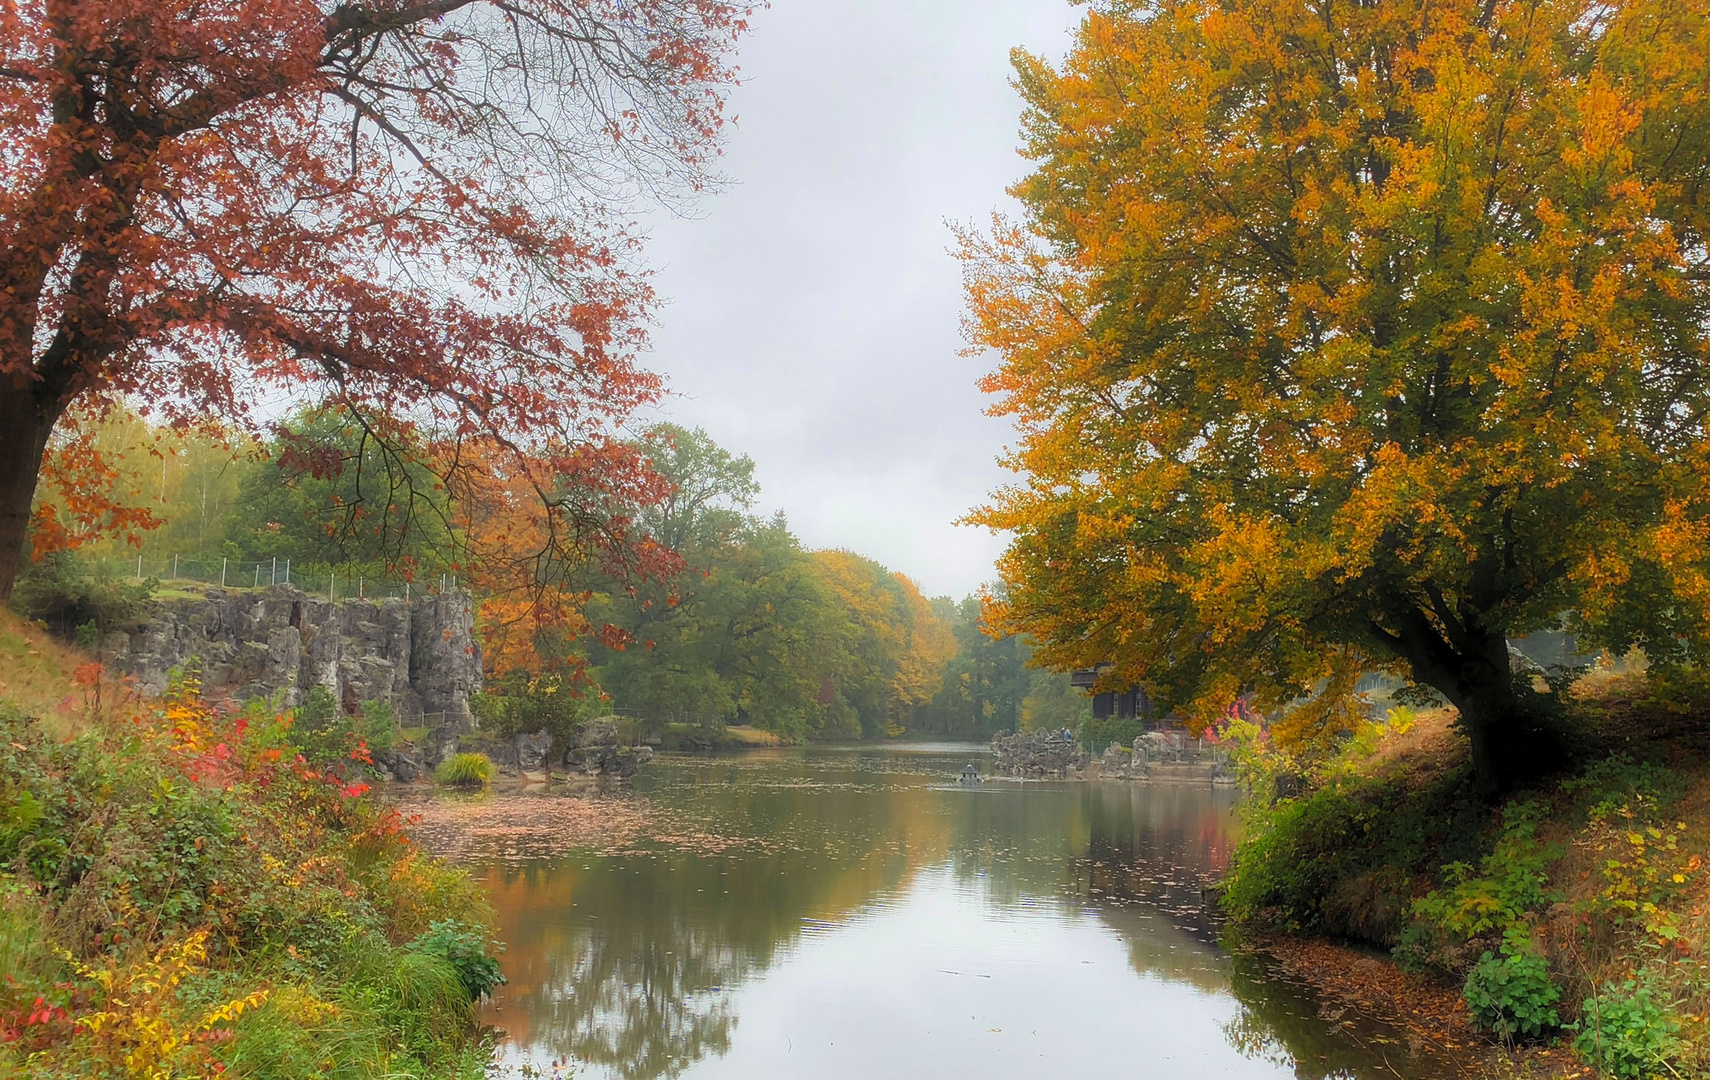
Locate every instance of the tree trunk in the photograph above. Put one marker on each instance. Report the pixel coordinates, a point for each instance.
(27, 417)
(1511, 731)
(1508, 741)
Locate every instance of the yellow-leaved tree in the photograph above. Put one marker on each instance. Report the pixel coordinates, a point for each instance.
(1373, 330)
(898, 647)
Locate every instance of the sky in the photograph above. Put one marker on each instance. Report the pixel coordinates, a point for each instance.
(813, 311)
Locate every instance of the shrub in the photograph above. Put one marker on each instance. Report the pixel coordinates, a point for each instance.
(1097, 735)
(517, 704)
(77, 599)
(319, 727)
(1626, 1032)
(1508, 885)
(1297, 850)
(378, 725)
(323, 731)
(465, 948)
(466, 770)
(1512, 994)
(180, 894)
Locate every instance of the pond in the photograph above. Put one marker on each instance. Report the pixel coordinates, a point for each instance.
(858, 913)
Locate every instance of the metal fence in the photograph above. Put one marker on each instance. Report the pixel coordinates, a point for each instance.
(267, 573)
(1177, 747)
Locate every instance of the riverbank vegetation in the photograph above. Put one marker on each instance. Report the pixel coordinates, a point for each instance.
(185, 891)
(1575, 912)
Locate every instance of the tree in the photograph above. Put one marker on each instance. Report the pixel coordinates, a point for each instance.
(349, 511)
(1365, 330)
(710, 489)
(403, 207)
(899, 646)
(750, 634)
(983, 685)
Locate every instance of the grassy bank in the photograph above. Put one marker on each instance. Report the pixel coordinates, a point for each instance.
(184, 893)
(1569, 916)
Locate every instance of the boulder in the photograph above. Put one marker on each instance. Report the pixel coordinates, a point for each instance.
(402, 762)
(1037, 755)
(531, 750)
(596, 751)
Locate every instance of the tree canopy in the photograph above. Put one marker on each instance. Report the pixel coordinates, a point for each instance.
(411, 209)
(1359, 335)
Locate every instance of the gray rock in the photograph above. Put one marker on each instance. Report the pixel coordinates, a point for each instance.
(532, 750)
(595, 750)
(1036, 755)
(403, 762)
(421, 657)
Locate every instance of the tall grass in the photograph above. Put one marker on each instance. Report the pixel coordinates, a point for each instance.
(465, 770)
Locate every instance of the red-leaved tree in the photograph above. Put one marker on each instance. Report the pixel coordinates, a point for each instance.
(410, 208)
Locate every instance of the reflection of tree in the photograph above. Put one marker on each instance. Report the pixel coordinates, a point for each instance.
(628, 963)
(631, 963)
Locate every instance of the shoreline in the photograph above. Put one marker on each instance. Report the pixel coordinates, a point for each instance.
(1433, 1016)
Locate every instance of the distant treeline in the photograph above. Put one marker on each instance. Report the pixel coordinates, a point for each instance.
(754, 629)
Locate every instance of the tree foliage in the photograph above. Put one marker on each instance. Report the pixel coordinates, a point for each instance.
(410, 208)
(1368, 329)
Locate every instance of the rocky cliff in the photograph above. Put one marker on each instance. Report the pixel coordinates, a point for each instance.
(419, 655)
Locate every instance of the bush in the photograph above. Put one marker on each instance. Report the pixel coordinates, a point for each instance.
(319, 727)
(466, 949)
(517, 705)
(467, 770)
(179, 894)
(377, 724)
(1626, 1032)
(1098, 735)
(1297, 851)
(77, 599)
(1507, 886)
(322, 730)
(1512, 994)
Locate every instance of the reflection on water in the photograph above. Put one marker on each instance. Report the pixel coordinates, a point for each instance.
(863, 915)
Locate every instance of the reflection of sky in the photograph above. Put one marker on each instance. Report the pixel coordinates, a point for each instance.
(886, 922)
(938, 983)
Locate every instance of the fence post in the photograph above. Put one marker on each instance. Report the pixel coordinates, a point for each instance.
(332, 579)
(273, 574)
(360, 595)
(175, 568)
(139, 567)
(222, 573)
(287, 571)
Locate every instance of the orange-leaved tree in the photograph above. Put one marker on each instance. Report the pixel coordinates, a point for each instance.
(403, 207)
(539, 533)
(1357, 331)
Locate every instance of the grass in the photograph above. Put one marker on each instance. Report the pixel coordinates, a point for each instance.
(38, 674)
(753, 736)
(465, 770)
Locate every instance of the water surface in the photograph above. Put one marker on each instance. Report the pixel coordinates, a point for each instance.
(857, 913)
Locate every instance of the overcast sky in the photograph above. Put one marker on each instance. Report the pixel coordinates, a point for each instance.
(813, 315)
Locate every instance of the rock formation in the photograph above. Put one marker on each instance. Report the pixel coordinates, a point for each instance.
(1038, 755)
(1156, 755)
(596, 750)
(419, 656)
